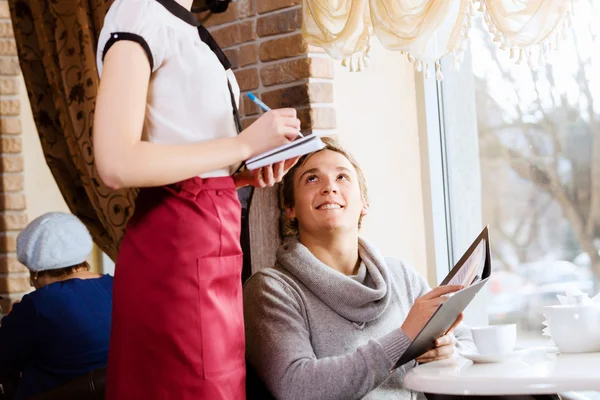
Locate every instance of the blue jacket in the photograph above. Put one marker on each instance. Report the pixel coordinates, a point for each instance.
(57, 333)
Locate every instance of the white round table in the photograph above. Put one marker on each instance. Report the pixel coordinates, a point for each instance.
(539, 372)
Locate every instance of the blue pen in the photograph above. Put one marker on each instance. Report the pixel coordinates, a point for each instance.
(262, 105)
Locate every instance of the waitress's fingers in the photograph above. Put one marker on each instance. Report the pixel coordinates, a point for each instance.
(278, 171)
(288, 164)
(290, 133)
(268, 176)
(258, 178)
(286, 112)
(293, 122)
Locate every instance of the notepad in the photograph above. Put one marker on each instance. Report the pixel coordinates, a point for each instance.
(298, 147)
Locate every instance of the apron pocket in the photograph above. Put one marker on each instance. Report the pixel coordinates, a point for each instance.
(221, 314)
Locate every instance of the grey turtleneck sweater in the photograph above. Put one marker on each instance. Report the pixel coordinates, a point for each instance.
(314, 333)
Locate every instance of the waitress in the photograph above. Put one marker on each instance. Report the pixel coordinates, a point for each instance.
(165, 121)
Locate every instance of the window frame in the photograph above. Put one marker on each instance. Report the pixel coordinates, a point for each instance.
(438, 240)
(451, 173)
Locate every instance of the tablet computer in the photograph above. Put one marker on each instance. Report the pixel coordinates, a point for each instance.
(473, 271)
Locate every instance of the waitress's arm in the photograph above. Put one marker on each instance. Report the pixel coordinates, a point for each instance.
(124, 160)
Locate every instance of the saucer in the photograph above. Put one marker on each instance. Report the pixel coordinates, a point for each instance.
(495, 358)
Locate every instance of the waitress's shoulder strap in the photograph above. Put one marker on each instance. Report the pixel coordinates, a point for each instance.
(236, 112)
(207, 38)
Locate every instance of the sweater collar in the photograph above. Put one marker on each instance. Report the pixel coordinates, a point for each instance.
(359, 298)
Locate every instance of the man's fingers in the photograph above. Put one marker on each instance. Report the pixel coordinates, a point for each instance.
(439, 353)
(445, 340)
(428, 355)
(436, 301)
(440, 291)
(431, 359)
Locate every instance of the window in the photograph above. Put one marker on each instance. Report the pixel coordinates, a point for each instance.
(522, 154)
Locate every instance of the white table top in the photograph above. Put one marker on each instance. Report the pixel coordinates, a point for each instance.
(539, 372)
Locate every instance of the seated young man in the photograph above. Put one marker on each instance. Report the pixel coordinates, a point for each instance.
(332, 318)
(61, 330)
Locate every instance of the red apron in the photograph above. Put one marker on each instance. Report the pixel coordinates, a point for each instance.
(177, 324)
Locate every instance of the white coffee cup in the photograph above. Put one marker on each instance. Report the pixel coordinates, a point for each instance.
(495, 339)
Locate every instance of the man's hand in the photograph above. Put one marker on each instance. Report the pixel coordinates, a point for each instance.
(444, 346)
(424, 307)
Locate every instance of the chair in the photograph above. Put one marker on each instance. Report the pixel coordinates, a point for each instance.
(255, 388)
(90, 386)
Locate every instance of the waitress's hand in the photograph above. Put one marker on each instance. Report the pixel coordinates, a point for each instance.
(274, 128)
(265, 176)
(424, 307)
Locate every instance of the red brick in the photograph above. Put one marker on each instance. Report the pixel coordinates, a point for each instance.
(321, 68)
(250, 108)
(12, 201)
(285, 72)
(10, 126)
(6, 30)
(8, 47)
(8, 241)
(14, 221)
(281, 22)
(247, 79)
(299, 95)
(15, 284)
(246, 8)
(4, 10)
(9, 263)
(10, 107)
(271, 5)
(11, 144)
(248, 54)
(11, 182)
(221, 18)
(9, 66)
(284, 47)
(11, 163)
(235, 34)
(232, 56)
(317, 118)
(9, 86)
(295, 70)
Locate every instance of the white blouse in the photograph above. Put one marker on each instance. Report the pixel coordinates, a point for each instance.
(188, 97)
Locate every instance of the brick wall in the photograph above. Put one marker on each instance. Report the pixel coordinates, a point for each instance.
(14, 278)
(263, 41)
